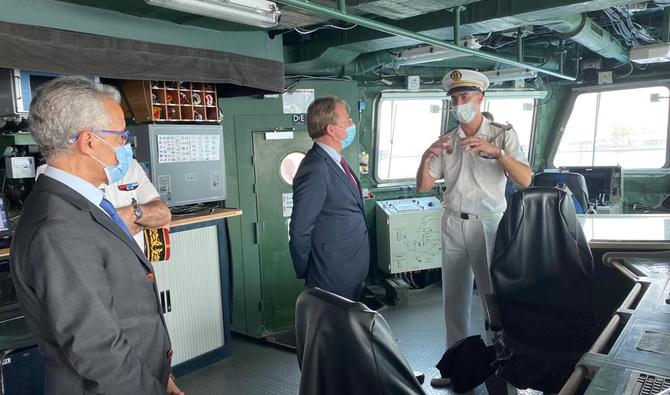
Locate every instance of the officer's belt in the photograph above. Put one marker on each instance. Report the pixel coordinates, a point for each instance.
(470, 216)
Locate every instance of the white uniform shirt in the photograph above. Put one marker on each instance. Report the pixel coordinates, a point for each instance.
(143, 192)
(475, 185)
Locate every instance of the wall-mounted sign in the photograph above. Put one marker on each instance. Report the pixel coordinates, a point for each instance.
(299, 119)
(297, 101)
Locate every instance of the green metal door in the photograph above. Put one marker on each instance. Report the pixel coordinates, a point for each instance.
(280, 287)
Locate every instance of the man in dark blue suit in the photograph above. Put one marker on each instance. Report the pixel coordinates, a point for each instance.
(328, 233)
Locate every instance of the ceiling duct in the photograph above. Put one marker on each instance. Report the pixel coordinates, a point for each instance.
(430, 53)
(585, 31)
(509, 74)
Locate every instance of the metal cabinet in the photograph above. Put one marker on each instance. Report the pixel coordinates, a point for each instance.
(192, 287)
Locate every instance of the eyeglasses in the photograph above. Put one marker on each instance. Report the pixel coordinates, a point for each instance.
(124, 133)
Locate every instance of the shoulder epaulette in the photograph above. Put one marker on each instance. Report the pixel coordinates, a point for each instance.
(507, 126)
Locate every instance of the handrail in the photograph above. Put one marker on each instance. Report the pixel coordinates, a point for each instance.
(623, 269)
(397, 31)
(632, 295)
(606, 334)
(578, 374)
(571, 385)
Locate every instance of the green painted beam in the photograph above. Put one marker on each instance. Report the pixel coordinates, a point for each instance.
(390, 29)
(457, 25)
(665, 35)
(342, 6)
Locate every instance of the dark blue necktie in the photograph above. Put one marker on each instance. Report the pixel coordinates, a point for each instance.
(109, 209)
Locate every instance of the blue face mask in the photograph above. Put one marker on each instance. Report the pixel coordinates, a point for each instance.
(124, 154)
(351, 133)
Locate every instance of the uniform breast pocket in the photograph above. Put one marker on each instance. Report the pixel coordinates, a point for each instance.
(490, 169)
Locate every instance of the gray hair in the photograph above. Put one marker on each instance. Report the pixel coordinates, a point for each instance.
(65, 106)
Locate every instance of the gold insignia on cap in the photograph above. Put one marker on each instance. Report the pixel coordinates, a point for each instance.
(456, 75)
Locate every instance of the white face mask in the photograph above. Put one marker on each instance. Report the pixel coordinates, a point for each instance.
(464, 113)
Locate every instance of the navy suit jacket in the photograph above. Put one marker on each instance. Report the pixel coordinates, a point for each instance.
(328, 231)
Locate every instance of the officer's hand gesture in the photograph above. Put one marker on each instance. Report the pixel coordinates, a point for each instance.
(442, 144)
(481, 145)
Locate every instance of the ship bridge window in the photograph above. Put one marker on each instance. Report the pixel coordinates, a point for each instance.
(626, 127)
(516, 111)
(408, 122)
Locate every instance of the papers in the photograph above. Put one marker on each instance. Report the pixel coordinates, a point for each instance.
(188, 148)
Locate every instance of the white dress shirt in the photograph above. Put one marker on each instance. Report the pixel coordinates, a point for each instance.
(474, 184)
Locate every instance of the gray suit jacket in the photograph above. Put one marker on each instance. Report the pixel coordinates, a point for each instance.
(329, 235)
(89, 296)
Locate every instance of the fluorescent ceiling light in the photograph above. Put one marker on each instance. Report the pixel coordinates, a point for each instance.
(431, 53)
(510, 74)
(259, 13)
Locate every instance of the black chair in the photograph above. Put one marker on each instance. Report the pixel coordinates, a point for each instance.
(575, 182)
(542, 282)
(345, 348)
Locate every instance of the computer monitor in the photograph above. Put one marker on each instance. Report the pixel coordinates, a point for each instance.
(5, 227)
(599, 181)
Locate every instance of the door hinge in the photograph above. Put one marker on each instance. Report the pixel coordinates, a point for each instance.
(260, 305)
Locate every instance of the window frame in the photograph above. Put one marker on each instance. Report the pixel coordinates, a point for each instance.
(572, 100)
(394, 94)
(446, 116)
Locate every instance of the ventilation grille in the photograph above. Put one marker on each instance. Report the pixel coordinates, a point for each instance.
(649, 384)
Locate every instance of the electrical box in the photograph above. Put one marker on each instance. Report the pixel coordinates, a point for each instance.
(20, 166)
(409, 234)
(184, 162)
(655, 53)
(413, 82)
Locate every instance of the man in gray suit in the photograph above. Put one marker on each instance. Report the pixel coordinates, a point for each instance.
(87, 291)
(328, 232)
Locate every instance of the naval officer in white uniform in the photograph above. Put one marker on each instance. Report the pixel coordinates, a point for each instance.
(475, 159)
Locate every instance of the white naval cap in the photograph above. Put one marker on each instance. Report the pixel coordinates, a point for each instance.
(464, 80)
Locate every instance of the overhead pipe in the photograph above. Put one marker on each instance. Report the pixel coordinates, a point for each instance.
(583, 30)
(390, 29)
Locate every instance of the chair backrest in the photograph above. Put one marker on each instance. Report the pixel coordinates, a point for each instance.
(575, 182)
(542, 281)
(345, 348)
